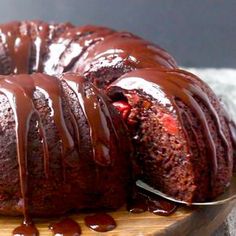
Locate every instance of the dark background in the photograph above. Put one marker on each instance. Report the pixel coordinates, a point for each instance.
(198, 33)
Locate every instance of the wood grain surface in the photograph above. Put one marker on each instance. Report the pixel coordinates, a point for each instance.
(185, 221)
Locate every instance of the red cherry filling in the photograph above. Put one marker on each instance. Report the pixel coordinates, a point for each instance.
(123, 107)
(169, 123)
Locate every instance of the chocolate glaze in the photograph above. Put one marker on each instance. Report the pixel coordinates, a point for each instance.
(137, 202)
(160, 206)
(67, 49)
(123, 49)
(100, 222)
(39, 32)
(35, 46)
(98, 118)
(232, 126)
(23, 45)
(25, 229)
(52, 90)
(20, 95)
(16, 45)
(65, 227)
(165, 87)
(5, 60)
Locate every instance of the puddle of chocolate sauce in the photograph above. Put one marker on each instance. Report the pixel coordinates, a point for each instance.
(141, 201)
(100, 222)
(26, 229)
(65, 227)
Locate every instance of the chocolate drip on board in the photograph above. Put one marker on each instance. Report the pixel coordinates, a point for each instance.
(26, 229)
(141, 200)
(65, 227)
(100, 222)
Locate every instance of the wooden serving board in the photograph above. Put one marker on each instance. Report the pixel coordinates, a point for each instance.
(185, 221)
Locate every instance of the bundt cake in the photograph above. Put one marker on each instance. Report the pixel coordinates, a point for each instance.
(70, 99)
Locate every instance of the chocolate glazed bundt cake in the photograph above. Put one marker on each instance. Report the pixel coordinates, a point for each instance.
(51, 131)
(65, 145)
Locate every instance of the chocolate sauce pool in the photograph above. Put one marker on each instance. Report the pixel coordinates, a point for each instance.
(26, 229)
(65, 227)
(141, 201)
(100, 222)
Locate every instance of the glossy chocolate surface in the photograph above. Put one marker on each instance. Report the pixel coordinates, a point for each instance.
(97, 115)
(141, 201)
(100, 222)
(26, 229)
(65, 227)
(35, 46)
(123, 49)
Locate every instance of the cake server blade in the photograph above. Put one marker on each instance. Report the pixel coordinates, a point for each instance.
(228, 195)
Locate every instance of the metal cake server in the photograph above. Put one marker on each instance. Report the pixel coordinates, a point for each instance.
(228, 195)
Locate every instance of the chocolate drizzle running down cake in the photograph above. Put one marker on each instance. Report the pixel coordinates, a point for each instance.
(66, 145)
(67, 139)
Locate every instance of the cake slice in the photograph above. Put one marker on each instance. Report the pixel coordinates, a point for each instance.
(179, 131)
